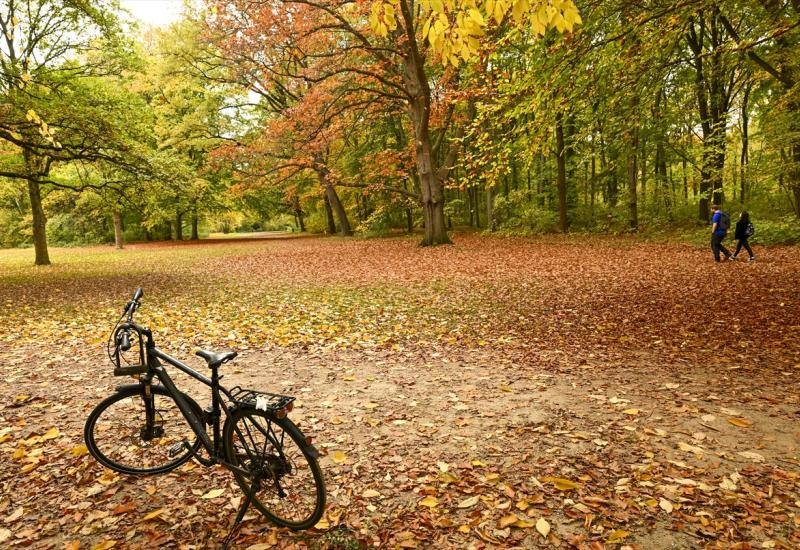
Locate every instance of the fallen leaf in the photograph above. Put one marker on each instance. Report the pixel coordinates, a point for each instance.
(15, 515)
(80, 450)
(155, 514)
(105, 545)
(617, 536)
(370, 493)
(543, 527)
(665, 505)
(750, 455)
(467, 502)
(5, 534)
(429, 501)
(505, 521)
(632, 412)
(322, 524)
(741, 422)
(213, 493)
(52, 433)
(338, 457)
(561, 484)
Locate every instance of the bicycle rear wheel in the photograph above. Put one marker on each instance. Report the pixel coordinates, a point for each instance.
(292, 492)
(117, 433)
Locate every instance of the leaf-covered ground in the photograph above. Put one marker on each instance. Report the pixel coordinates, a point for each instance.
(574, 393)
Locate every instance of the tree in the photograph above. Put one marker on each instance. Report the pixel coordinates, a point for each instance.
(54, 107)
(390, 53)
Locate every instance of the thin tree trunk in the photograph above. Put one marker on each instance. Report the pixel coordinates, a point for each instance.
(490, 223)
(118, 239)
(34, 169)
(745, 138)
(561, 181)
(39, 224)
(179, 226)
(195, 227)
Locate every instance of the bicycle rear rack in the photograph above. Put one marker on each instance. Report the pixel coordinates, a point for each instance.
(268, 402)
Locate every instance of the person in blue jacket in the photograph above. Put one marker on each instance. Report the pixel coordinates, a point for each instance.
(720, 222)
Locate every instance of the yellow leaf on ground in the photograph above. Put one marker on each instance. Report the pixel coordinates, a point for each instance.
(338, 457)
(105, 545)
(543, 527)
(213, 493)
(52, 433)
(467, 502)
(445, 522)
(5, 534)
(80, 450)
(665, 505)
(322, 524)
(523, 524)
(505, 521)
(617, 536)
(741, 422)
(429, 501)
(155, 514)
(632, 412)
(370, 493)
(562, 484)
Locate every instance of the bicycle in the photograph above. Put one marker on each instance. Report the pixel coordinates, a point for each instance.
(152, 428)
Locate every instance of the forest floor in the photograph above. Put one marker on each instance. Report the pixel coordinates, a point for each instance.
(570, 392)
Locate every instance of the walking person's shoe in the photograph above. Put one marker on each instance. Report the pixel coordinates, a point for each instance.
(730, 258)
(752, 259)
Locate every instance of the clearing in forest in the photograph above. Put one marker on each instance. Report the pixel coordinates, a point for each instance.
(556, 392)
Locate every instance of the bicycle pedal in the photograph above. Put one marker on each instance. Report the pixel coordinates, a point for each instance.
(176, 449)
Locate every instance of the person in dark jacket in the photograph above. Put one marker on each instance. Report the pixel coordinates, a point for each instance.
(744, 230)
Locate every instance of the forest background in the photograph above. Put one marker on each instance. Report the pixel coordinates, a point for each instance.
(378, 117)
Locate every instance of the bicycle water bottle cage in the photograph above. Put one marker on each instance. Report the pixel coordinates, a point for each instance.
(281, 405)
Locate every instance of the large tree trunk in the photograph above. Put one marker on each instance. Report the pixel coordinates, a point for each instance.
(431, 189)
(118, 239)
(561, 182)
(329, 215)
(338, 209)
(633, 214)
(33, 168)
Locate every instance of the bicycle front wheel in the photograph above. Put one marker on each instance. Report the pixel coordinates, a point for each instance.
(292, 490)
(119, 435)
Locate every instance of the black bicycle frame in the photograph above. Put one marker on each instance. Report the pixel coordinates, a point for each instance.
(156, 369)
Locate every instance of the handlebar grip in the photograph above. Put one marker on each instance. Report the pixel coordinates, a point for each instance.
(138, 294)
(125, 341)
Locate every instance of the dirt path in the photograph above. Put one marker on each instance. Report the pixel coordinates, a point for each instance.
(537, 393)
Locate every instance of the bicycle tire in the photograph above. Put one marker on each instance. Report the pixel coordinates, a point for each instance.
(286, 464)
(128, 438)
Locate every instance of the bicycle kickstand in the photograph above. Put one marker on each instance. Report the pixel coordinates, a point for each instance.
(254, 488)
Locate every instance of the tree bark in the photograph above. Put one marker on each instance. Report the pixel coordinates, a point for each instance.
(490, 222)
(195, 229)
(179, 226)
(561, 181)
(432, 191)
(39, 224)
(118, 239)
(338, 209)
(39, 219)
(743, 161)
(329, 215)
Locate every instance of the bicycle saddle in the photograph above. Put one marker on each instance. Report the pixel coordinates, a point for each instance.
(215, 359)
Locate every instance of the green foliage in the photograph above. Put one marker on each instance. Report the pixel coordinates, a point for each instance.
(518, 215)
